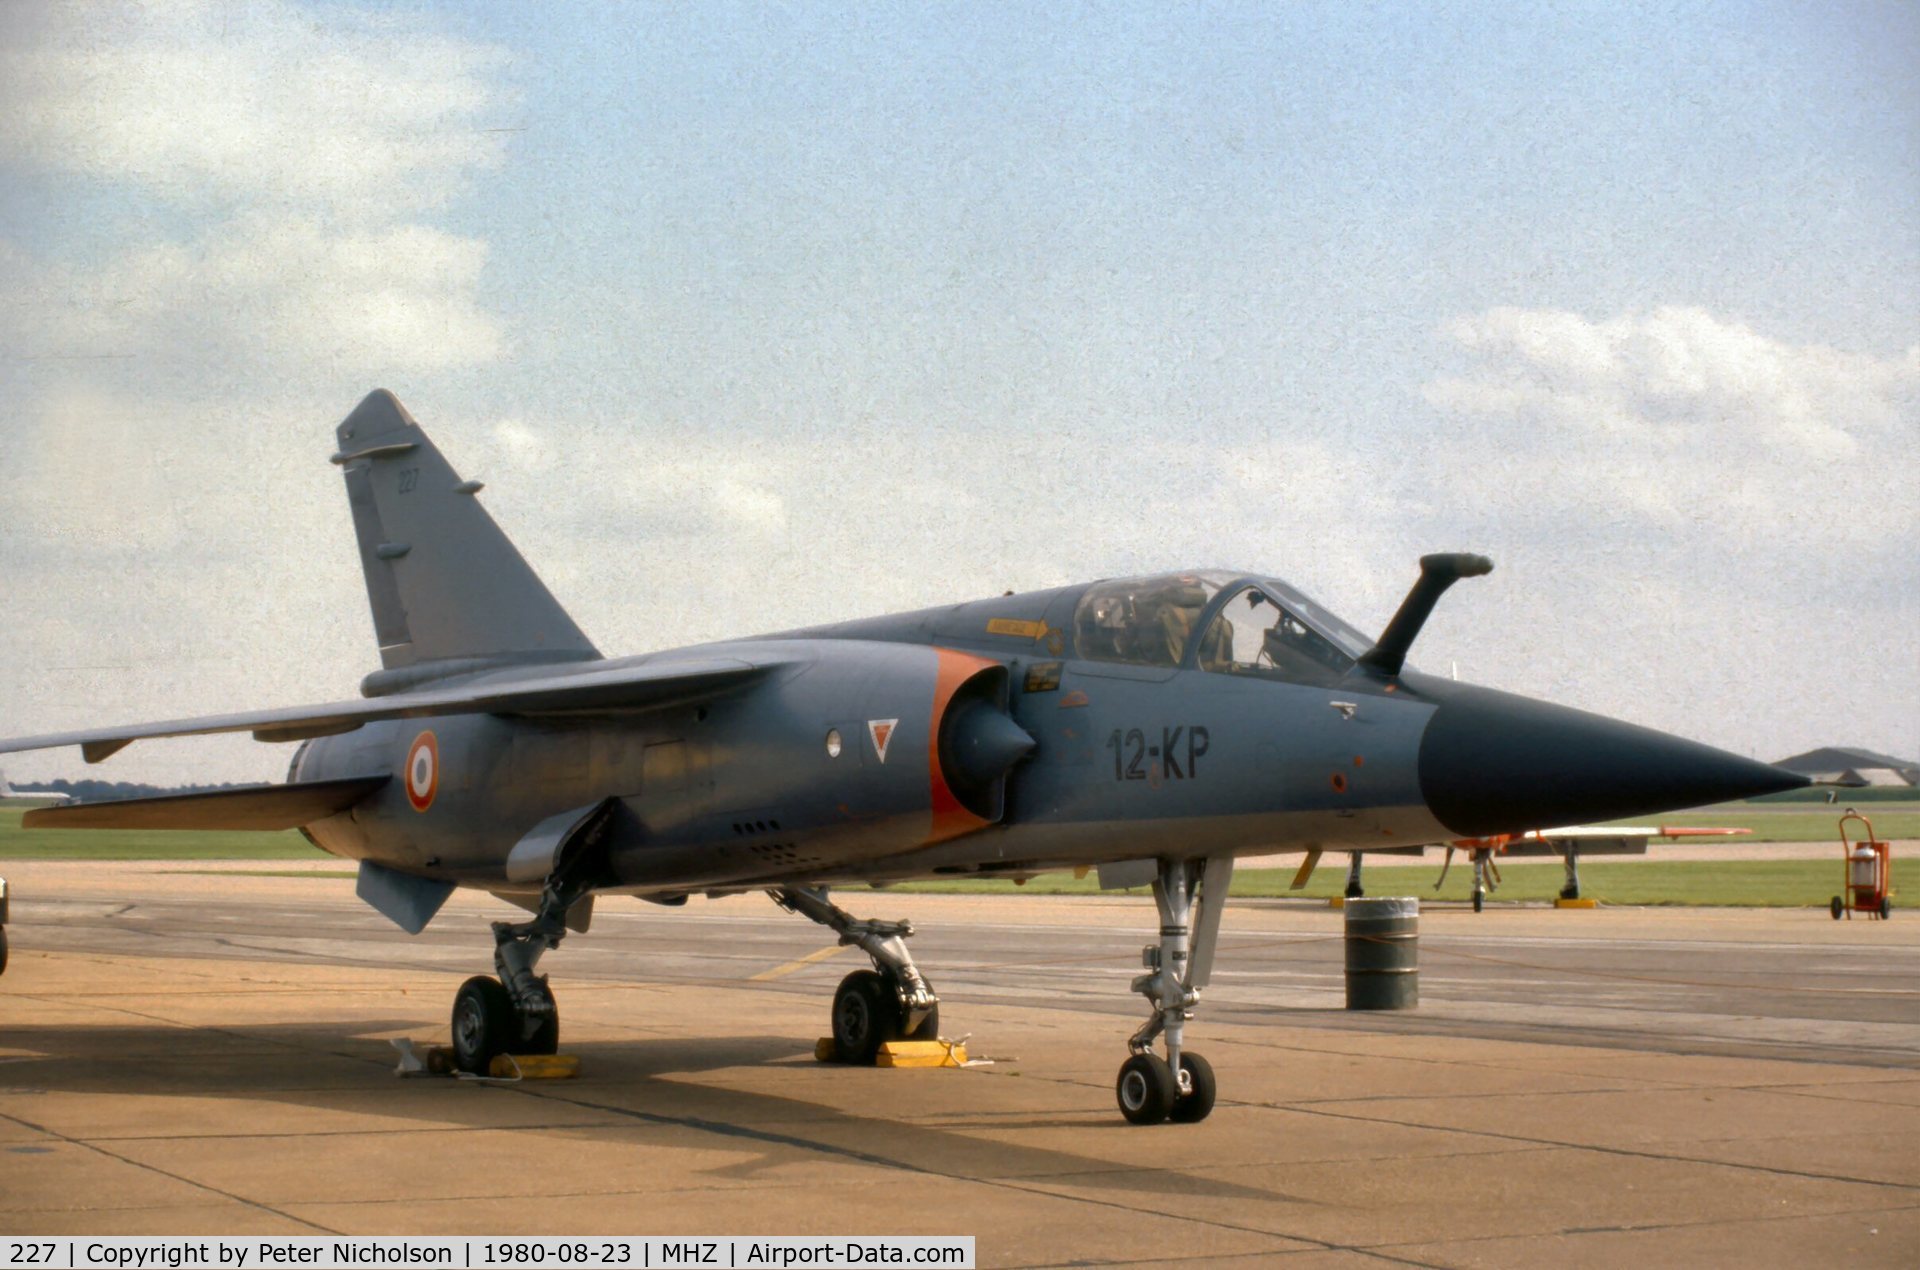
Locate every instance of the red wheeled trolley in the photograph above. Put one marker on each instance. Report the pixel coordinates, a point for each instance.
(1869, 872)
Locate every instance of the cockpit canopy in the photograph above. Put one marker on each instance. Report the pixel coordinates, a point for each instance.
(1218, 622)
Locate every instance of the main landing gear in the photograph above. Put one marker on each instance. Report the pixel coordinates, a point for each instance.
(891, 1002)
(1354, 890)
(515, 1013)
(1179, 1087)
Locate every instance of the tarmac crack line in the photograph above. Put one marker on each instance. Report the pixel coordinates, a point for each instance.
(723, 1129)
(213, 1031)
(354, 1133)
(1815, 1053)
(1627, 1152)
(1261, 1257)
(1654, 1227)
(1818, 1095)
(171, 1176)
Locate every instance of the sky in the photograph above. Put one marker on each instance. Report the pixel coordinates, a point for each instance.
(753, 317)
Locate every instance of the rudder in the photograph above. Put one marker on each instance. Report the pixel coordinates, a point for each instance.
(445, 585)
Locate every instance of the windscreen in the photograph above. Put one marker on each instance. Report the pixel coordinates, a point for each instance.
(1261, 630)
(1143, 621)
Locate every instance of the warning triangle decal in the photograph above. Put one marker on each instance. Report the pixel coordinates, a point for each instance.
(881, 730)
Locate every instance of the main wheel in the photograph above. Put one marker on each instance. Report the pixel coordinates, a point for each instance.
(1146, 1089)
(1479, 900)
(1837, 907)
(484, 1024)
(1194, 1103)
(1886, 911)
(866, 1015)
(3, 950)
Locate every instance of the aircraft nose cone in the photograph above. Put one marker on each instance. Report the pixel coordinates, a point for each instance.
(981, 744)
(1491, 762)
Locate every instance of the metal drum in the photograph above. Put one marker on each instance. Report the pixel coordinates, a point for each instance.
(1383, 954)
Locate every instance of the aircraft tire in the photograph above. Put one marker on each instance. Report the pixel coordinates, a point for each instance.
(1196, 1103)
(484, 1024)
(3, 950)
(1145, 1090)
(1886, 911)
(1479, 900)
(866, 1015)
(1836, 908)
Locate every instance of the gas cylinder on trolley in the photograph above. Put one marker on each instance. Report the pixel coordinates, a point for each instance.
(1868, 880)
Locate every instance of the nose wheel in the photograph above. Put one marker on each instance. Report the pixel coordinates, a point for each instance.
(1146, 1089)
(1180, 1087)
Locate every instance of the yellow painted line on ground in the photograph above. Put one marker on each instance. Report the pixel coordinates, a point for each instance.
(781, 972)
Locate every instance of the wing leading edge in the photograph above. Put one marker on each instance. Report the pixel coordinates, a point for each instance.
(264, 807)
(603, 690)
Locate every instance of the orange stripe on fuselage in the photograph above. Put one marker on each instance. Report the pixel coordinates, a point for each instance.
(950, 819)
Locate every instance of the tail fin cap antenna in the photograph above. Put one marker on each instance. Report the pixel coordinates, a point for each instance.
(1437, 573)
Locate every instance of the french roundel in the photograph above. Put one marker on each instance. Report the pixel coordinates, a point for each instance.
(423, 771)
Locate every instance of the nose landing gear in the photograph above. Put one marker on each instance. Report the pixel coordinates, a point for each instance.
(1179, 1087)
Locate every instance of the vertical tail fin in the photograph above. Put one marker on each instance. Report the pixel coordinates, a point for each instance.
(444, 583)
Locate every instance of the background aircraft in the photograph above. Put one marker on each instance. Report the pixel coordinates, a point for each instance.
(1153, 727)
(8, 791)
(1567, 844)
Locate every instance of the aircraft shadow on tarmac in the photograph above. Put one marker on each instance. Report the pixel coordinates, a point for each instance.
(632, 1085)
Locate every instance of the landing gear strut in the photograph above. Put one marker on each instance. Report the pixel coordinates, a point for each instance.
(516, 1013)
(891, 1002)
(1486, 876)
(1483, 869)
(1179, 1087)
(1354, 890)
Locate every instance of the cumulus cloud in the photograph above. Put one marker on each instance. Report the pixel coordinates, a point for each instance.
(233, 106)
(259, 182)
(1679, 416)
(1681, 488)
(264, 293)
(238, 206)
(658, 536)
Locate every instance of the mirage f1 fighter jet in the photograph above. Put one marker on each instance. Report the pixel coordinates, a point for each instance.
(1154, 728)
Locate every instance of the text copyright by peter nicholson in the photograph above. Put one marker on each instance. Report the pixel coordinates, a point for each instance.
(520, 1252)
